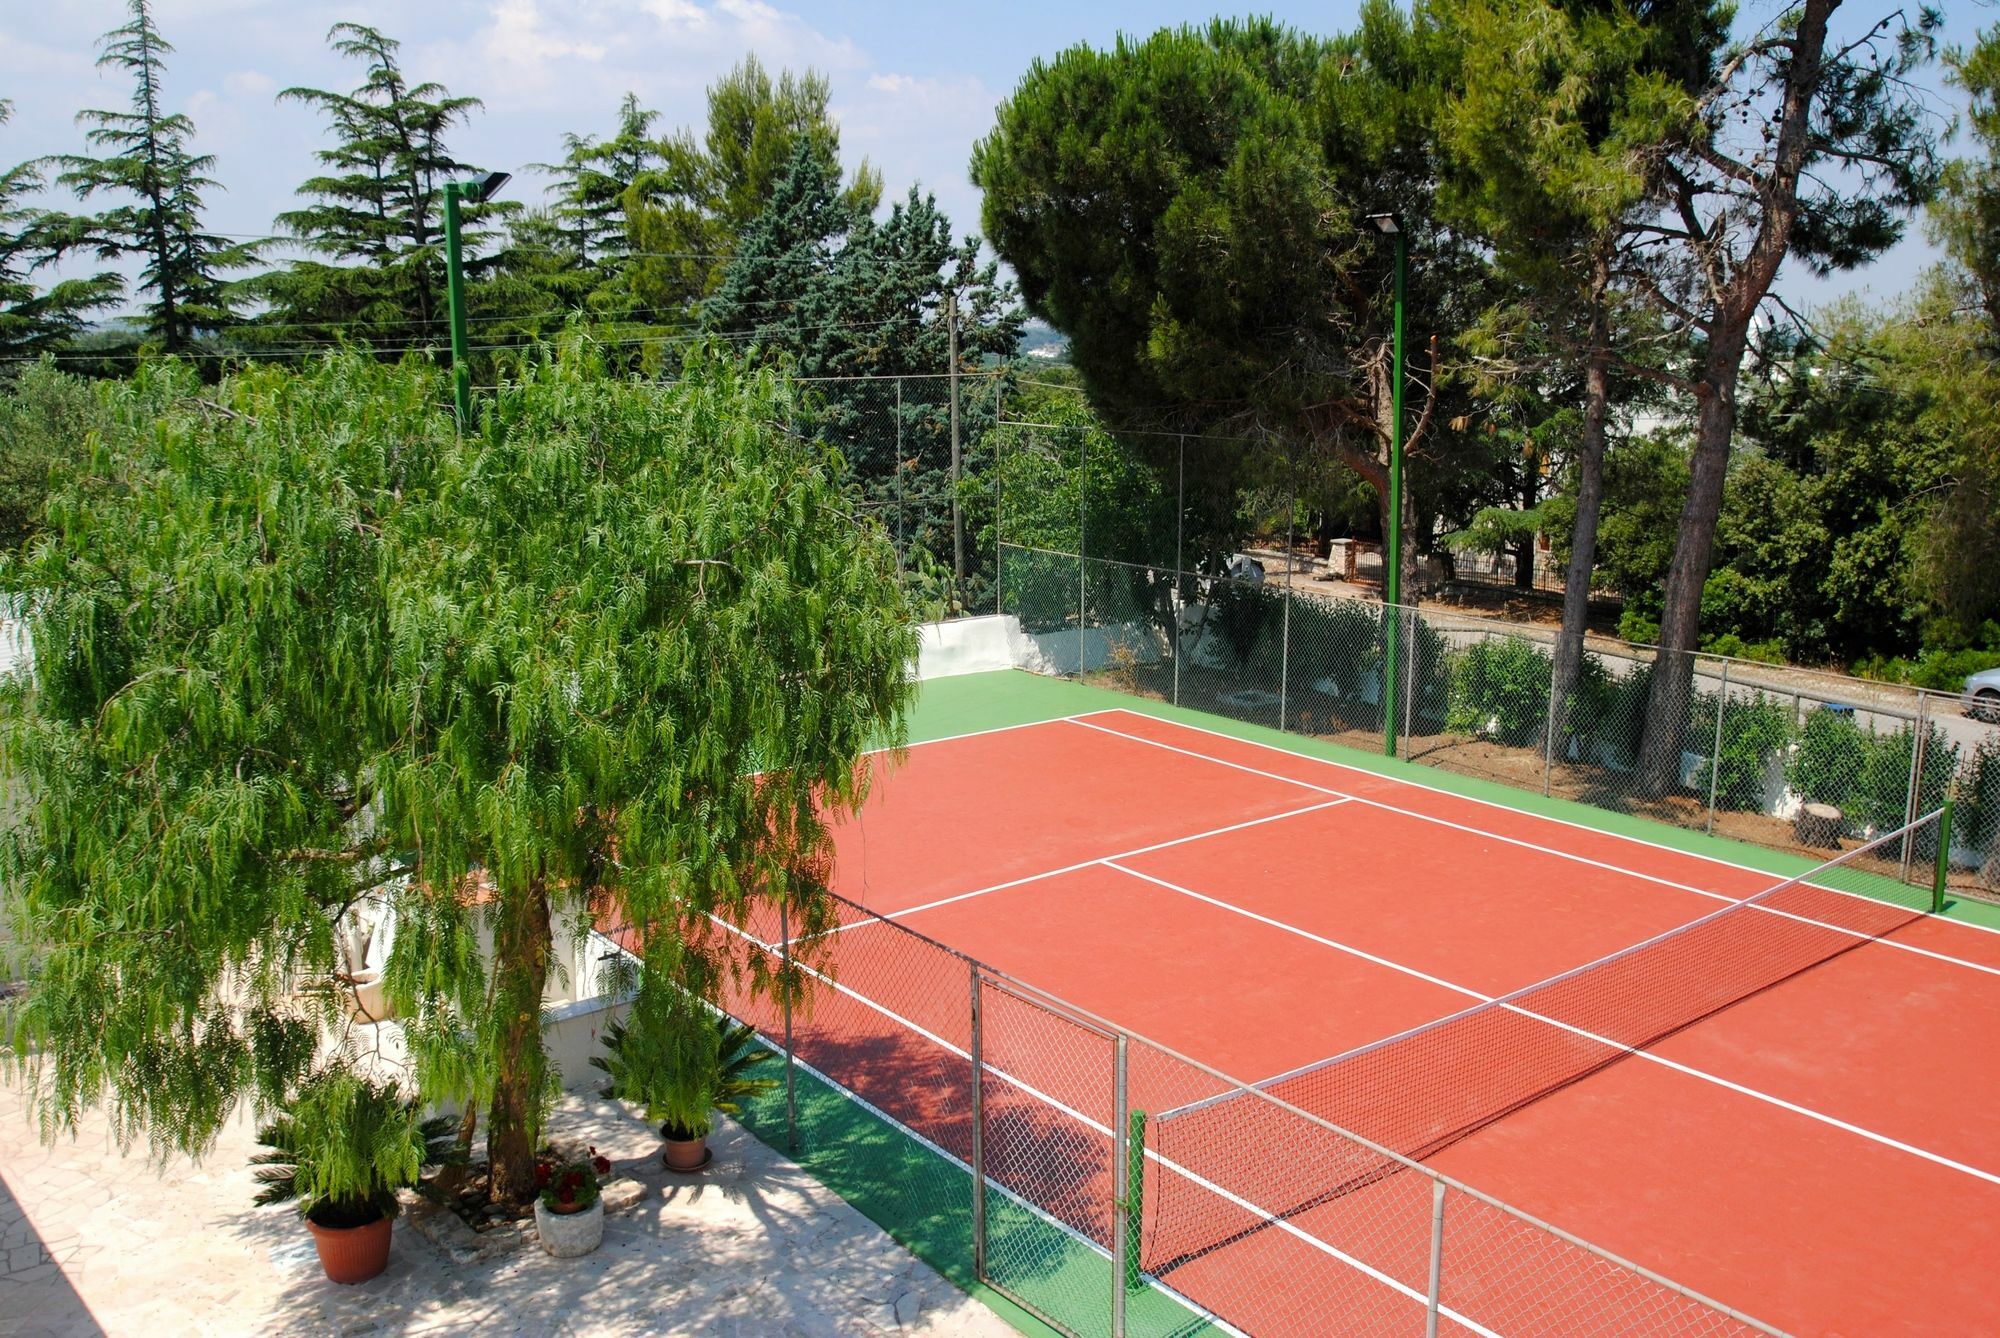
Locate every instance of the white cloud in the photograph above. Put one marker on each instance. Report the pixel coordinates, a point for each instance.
(248, 84)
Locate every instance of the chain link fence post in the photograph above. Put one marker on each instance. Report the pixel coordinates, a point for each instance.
(1437, 1260)
(1180, 555)
(978, 1160)
(1121, 1188)
(785, 979)
(1715, 752)
(1549, 732)
(1913, 799)
(1082, 549)
(999, 475)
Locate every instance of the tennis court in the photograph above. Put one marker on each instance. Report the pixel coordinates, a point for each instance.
(1060, 941)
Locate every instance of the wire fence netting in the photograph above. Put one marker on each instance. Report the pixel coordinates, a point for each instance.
(1112, 1186)
(1755, 752)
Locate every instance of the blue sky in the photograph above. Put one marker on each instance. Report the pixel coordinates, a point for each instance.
(913, 84)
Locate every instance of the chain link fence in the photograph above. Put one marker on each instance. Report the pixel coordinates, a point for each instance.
(1782, 758)
(920, 452)
(1005, 1135)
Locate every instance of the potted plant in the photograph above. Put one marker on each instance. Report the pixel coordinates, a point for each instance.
(341, 1148)
(569, 1211)
(681, 1082)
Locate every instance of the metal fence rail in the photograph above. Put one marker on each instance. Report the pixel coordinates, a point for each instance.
(1792, 761)
(1015, 1126)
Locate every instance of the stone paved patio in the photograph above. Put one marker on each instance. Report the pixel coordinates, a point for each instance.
(94, 1242)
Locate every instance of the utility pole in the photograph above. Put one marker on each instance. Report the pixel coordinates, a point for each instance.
(957, 515)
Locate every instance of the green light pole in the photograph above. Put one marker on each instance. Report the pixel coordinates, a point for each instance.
(455, 193)
(1391, 225)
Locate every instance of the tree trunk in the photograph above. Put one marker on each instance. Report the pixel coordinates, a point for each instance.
(522, 943)
(1589, 502)
(1680, 622)
(1737, 298)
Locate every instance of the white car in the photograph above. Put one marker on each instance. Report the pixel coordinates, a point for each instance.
(1982, 694)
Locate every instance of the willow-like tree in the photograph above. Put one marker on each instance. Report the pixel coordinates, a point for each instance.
(148, 158)
(299, 645)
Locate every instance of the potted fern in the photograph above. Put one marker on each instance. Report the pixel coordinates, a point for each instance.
(680, 1082)
(341, 1148)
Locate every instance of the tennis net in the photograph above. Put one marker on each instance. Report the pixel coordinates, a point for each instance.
(1416, 1092)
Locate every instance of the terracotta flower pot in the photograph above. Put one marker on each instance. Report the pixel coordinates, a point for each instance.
(567, 1235)
(352, 1254)
(687, 1154)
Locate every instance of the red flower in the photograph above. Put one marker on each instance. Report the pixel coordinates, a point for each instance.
(542, 1174)
(602, 1165)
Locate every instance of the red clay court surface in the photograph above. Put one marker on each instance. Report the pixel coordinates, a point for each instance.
(1821, 1155)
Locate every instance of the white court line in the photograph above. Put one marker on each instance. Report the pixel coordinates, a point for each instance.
(1165, 1163)
(1082, 718)
(878, 916)
(1470, 993)
(974, 734)
(1575, 858)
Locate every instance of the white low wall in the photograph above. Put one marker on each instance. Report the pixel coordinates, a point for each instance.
(996, 641)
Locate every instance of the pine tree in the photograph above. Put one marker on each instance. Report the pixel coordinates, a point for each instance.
(149, 159)
(379, 207)
(34, 319)
(1807, 147)
(593, 177)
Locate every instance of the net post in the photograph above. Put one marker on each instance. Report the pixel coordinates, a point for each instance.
(978, 1134)
(1941, 874)
(1715, 752)
(1437, 1260)
(1120, 1189)
(1134, 1206)
(785, 979)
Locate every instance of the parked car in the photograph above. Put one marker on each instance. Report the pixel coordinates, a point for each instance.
(1982, 694)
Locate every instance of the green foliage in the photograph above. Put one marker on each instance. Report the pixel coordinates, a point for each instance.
(1976, 814)
(1156, 198)
(679, 1063)
(1735, 647)
(46, 419)
(34, 319)
(1867, 775)
(1645, 481)
(376, 208)
(617, 617)
(1500, 688)
(148, 159)
(1753, 729)
(1939, 670)
(344, 1145)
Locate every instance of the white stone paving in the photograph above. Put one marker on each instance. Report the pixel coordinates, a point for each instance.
(92, 1242)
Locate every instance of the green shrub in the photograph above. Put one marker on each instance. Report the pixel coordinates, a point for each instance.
(1339, 641)
(1831, 754)
(1499, 687)
(1867, 775)
(344, 1145)
(1734, 646)
(1752, 730)
(1636, 626)
(1977, 791)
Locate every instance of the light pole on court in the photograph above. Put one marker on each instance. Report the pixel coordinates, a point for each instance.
(455, 194)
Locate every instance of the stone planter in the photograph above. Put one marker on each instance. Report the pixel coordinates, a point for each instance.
(567, 1235)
